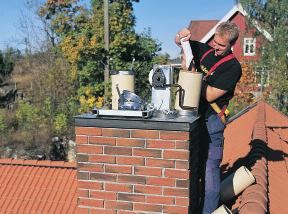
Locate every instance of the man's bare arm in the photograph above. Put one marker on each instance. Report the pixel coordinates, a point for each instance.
(211, 93)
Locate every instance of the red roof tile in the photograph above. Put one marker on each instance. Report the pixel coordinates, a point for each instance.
(30, 186)
(256, 138)
(199, 28)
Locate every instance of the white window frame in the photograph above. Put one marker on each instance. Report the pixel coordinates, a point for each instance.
(249, 46)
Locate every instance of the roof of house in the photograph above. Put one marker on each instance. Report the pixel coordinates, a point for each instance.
(199, 28)
(257, 138)
(236, 9)
(31, 186)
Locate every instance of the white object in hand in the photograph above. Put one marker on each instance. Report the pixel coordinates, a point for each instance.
(187, 51)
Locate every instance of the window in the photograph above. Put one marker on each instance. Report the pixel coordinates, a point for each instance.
(249, 46)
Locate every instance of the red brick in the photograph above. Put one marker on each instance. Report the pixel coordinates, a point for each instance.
(182, 183)
(161, 144)
(127, 212)
(145, 134)
(118, 169)
(81, 139)
(102, 211)
(145, 189)
(176, 173)
(103, 195)
(115, 150)
(82, 210)
(175, 209)
(90, 167)
(82, 158)
(173, 154)
(130, 160)
(156, 153)
(102, 159)
(82, 193)
(82, 175)
(102, 141)
(176, 192)
(161, 181)
(160, 163)
(159, 199)
(115, 132)
(90, 185)
(142, 170)
(131, 179)
(174, 135)
(147, 207)
(130, 197)
(103, 177)
(182, 201)
(118, 205)
(182, 145)
(182, 164)
(89, 149)
(118, 187)
(130, 142)
(90, 202)
(88, 131)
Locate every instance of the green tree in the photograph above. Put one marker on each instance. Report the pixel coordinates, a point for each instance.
(82, 43)
(7, 61)
(272, 16)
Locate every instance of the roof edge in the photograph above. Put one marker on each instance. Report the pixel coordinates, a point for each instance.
(236, 8)
(243, 111)
(38, 163)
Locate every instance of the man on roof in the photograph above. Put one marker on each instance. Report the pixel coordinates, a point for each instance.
(221, 72)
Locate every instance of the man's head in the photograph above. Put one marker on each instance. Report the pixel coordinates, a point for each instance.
(225, 36)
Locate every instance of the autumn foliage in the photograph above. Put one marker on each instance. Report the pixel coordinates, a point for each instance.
(245, 89)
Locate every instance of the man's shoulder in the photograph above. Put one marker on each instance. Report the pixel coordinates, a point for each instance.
(235, 64)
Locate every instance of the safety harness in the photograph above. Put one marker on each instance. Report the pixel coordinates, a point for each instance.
(220, 112)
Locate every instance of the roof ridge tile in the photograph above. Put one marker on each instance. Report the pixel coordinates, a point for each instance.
(258, 156)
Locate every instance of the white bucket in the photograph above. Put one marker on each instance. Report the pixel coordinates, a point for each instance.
(236, 183)
(191, 83)
(125, 81)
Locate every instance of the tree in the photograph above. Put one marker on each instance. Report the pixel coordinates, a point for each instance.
(81, 40)
(7, 61)
(67, 70)
(243, 91)
(272, 16)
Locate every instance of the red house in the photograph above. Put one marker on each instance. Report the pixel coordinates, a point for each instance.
(247, 46)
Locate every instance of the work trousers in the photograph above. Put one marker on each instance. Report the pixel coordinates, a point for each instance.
(215, 130)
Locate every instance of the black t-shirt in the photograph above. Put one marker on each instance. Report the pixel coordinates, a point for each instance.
(224, 77)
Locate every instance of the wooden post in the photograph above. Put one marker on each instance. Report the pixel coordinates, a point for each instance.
(106, 39)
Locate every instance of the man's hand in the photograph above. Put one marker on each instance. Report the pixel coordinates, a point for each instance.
(183, 33)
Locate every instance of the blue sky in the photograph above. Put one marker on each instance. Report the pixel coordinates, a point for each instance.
(164, 17)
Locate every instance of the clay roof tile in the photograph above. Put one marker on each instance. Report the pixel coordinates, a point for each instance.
(30, 186)
(263, 132)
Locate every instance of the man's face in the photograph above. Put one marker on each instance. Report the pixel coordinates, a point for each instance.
(221, 45)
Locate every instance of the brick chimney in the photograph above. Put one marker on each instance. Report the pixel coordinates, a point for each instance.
(137, 165)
